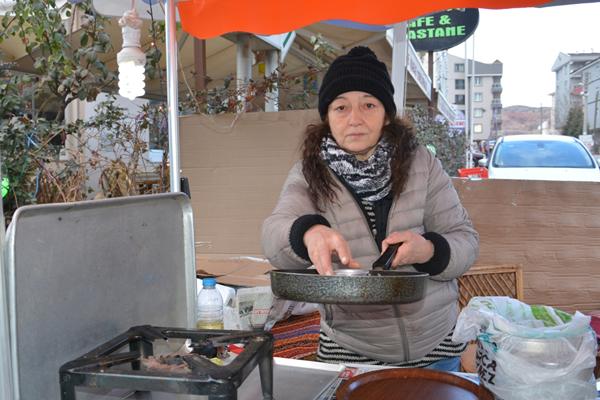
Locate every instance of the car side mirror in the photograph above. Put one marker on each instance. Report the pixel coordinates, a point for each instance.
(483, 162)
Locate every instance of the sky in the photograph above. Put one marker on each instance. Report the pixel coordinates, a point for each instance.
(528, 41)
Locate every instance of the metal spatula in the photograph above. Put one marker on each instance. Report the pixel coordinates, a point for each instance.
(385, 260)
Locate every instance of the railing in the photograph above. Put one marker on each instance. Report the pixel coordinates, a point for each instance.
(444, 107)
(414, 66)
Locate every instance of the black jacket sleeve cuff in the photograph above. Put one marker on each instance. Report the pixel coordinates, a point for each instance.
(299, 228)
(441, 255)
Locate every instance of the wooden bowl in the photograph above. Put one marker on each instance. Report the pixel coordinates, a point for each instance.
(411, 384)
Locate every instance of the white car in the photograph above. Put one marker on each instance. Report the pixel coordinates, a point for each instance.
(542, 157)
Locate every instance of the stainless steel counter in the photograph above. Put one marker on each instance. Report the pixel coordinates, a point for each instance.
(292, 380)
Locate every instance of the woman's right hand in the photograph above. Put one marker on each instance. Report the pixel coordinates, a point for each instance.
(322, 242)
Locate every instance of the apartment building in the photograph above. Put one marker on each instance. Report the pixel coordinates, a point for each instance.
(486, 96)
(590, 74)
(569, 84)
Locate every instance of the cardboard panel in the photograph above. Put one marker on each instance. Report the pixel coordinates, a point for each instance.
(237, 165)
(234, 271)
(552, 229)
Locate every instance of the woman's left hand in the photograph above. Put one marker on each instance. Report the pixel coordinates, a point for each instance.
(415, 249)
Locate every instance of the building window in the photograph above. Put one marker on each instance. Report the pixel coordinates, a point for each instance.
(477, 81)
(459, 84)
(478, 128)
(497, 79)
(459, 99)
(478, 112)
(459, 67)
(477, 97)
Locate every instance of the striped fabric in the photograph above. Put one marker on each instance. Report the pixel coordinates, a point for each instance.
(370, 214)
(331, 352)
(297, 337)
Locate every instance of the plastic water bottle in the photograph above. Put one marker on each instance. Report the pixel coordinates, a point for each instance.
(209, 310)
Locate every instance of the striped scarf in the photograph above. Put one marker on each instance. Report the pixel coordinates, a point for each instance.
(370, 179)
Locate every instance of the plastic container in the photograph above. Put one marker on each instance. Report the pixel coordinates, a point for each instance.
(209, 308)
(473, 173)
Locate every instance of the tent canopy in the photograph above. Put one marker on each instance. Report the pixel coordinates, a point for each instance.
(209, 18)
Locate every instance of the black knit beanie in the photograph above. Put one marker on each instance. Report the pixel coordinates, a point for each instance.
(359, 70)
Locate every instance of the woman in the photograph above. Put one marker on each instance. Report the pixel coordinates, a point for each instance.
(364, 183)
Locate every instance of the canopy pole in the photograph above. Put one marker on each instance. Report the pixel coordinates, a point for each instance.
(243, 67)
(172, 94)
(399, 62)
(271, 64)
(467, 108)
(471, 103)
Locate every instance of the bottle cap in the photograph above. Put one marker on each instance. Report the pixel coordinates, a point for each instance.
(209, 282)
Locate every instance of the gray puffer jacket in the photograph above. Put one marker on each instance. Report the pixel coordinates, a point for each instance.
(429, 203)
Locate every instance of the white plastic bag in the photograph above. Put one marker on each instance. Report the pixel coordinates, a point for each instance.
(283, 309)
(530, 352)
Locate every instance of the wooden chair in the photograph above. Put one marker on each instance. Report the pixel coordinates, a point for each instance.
(491, 280)
(487, 280)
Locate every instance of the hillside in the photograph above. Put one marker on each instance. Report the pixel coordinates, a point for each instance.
(523, 119)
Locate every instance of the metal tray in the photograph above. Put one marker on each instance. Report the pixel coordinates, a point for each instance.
(376, 287)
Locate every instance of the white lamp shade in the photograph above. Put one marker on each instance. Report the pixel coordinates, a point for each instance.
(131, 79)
(131, 59)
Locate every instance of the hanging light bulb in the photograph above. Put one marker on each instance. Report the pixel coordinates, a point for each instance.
(131, 58)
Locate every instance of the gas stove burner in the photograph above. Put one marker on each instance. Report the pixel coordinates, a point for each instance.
(122, 363)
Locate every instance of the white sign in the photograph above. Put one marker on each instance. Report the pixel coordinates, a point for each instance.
(415, 69)
(459, 121)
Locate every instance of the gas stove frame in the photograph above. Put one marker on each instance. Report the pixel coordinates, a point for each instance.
(206, 378)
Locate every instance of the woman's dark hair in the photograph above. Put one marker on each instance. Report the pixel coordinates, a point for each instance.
(399, 132)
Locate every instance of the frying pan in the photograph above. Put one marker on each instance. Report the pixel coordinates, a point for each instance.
(351, 286)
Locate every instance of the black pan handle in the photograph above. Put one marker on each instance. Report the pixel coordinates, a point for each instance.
(385, 260)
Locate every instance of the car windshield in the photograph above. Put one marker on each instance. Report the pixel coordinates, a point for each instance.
(541, 153)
